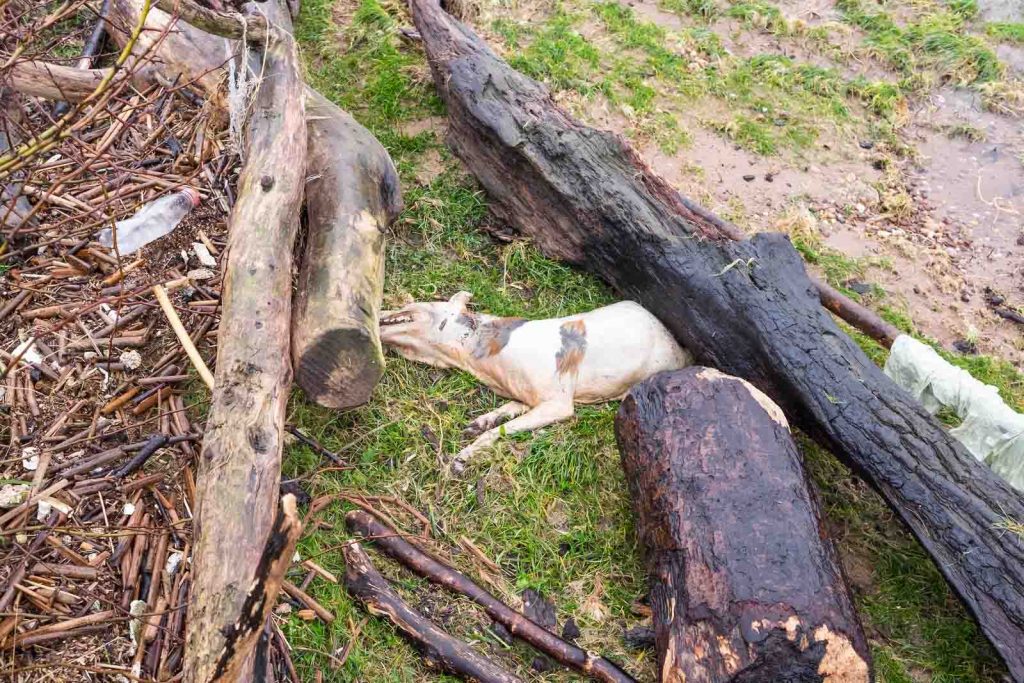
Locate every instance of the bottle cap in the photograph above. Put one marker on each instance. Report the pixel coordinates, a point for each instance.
(192, 194)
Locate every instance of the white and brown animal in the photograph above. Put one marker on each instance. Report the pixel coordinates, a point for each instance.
(544, 366)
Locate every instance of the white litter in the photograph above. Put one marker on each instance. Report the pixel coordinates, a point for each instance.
(44, 510)
(136, 609)
(128, 509)
(201, 274)
(30, 458)
(13, 495)
(991, 430)
(132, 359)
(204, 255)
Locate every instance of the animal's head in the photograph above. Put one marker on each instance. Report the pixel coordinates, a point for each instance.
(432, 332)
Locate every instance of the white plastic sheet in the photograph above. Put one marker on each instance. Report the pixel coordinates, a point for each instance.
(991, 430)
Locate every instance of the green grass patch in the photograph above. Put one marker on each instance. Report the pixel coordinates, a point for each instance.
(551, 507)
(936, 41)
(1007, 32)
(760, 15)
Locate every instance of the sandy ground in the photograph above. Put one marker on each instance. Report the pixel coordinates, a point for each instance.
(965, 234)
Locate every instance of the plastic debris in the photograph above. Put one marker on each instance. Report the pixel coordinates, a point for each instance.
(991, 430)
(30, 458)
(203, 255)
(151, 222)
(12, 495)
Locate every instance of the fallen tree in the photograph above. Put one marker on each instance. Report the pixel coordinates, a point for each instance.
(240, 464)
(743, 585)
(746, 307)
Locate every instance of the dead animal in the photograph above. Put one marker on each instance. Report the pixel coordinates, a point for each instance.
(544, 366)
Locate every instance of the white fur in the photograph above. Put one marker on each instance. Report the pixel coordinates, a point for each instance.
(624, 344)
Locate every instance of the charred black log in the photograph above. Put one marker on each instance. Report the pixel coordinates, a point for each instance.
(743, 585)
(745, 307)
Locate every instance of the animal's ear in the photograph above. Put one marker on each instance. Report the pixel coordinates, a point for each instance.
(461, 298)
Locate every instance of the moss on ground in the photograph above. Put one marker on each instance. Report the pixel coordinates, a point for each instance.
(551, 507)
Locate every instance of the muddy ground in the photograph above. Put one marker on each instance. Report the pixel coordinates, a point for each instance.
(957, 234)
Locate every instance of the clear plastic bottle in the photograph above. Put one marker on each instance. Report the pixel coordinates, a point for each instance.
(152, 221)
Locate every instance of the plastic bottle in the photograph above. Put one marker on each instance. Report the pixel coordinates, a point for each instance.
(152, 221)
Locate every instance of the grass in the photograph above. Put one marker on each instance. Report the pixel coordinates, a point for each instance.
(935, 41)
(1006, 32)
(551, 507)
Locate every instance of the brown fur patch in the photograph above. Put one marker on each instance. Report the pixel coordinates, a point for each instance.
(574, 346)
(492, 336)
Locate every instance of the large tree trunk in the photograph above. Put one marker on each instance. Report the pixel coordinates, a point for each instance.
(240, 465)
(746, 307)
(352, 195)
(743, 585)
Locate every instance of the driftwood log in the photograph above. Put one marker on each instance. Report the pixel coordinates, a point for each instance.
(352, 195)
(440, 650)
(744, 587)
(746, 307)
(240, 465)
(391, 542)
(240, 638)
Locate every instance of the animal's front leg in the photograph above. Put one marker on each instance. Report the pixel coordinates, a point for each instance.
(540, 416)
(495, 417)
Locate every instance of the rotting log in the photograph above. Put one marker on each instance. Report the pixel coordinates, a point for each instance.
(391, 542)
(240, 463)
(743, 585)
(439, 649)
(352, 195)
(746, 307)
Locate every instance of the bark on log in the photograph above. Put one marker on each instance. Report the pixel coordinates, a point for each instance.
(240, 638)
(744, 587)
(37, 78)
(567, 654)
(860, 317)
(184, 50)
(240, 467)
(745, 307)
(352, 195)
(440, 650)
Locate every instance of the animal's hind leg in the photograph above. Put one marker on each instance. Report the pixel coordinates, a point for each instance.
(494, 418)
(540, 416)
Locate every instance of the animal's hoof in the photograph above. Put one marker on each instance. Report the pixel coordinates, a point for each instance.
(458, 467)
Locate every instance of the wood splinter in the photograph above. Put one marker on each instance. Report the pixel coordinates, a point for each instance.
(439, 649)
(390, 542)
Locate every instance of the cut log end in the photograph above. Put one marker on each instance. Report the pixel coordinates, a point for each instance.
(340, 368)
